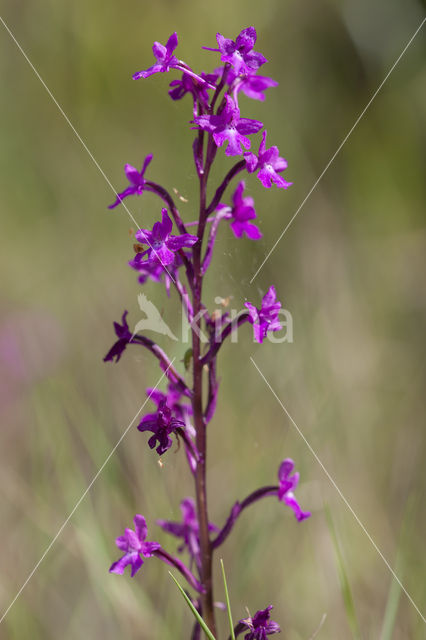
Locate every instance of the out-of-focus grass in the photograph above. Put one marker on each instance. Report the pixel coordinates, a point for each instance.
(350, 270)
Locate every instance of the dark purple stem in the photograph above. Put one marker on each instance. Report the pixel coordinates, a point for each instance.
(178, 564)
(207, 602)
(238, 508)
(212, 393)
(236, 169)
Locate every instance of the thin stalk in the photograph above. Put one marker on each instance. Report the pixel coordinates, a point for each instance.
(207, 603)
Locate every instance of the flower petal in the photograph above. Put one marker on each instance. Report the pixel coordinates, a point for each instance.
(140, 527)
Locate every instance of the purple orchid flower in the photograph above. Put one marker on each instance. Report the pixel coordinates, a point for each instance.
(166, 61)
(240, 53)
(162, 245)
(188, 84)
(268, 162)
(134, 546)
(136, 179)
(123, 334)
(253, 86)
(267, 317)
(228, 126)
(162, 424)
(260, 625)
(174, 399)
(241, 212)
(188, 529)
(289, 482)
(164, 56)
(147, 270)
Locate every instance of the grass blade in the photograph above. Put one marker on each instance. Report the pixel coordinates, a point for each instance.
(197, 616)
(344, 582)
(391, 611)
(228, 604)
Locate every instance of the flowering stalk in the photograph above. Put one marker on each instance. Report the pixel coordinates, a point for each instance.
(181, 261)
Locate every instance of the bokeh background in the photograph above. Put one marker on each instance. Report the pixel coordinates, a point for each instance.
(350, 270)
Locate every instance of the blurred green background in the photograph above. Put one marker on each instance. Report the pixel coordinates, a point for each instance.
(350, 270)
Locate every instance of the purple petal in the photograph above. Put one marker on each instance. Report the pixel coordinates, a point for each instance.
(137, 562)
(162, 255)
(238, 228)
(247, 126)
(148, 548)
(254, 60)
(140, 527)
(144, 236)
(286, 466)
(291, 502)
(280, 164)
(252, 231)
(146, 163)
(187, 507)
(159, 51)
(251, 162)
(172, 43)
(280, 182)
(129, 558)
(122, 543)
(132, 175)
(156, 68)
(265, 178)
(262, 145)
(157, 235)
(246, 39)
(226, 46)
(237, 197)
(174, 528)
(166, 223)
(120, 196)
(175, 243)
(132, 539)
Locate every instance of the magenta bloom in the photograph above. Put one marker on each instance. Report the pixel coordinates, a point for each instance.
(162, 424)
(228, 126)
(241, 213)
(260, 625)
(174, 398)
(164, 56)
(268, 163)
(162, 245)
(240, 53)
(189, 84)
(136, 179)
(267, 317)
(253, 86)
(289, 482)
(134, 546)
(188, 529)
(147, 270)
(123, 334)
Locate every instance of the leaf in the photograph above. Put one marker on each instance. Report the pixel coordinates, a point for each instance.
(228, 604)
(343, 579)
(197, 616)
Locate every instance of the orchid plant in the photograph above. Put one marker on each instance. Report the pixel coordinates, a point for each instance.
(180, 261)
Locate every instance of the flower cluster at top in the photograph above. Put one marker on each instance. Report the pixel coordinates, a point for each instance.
(170, 254)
